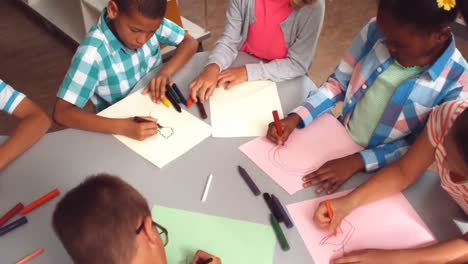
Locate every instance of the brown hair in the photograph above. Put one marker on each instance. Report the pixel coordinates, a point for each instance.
(301, 3)
(460, 134)
(96, 221)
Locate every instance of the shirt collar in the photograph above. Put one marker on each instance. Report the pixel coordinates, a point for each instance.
(438, 66)
(114, 43)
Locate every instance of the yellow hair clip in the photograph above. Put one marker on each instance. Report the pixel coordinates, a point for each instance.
(447, 5)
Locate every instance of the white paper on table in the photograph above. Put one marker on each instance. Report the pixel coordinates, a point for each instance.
(188, 131)
(245, 110)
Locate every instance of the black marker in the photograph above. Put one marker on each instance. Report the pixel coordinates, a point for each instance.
(173, 101)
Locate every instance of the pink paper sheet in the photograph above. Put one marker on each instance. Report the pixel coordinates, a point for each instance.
(390, 223)
(305, 151)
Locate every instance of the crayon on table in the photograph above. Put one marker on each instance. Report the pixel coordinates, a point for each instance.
(253, 187)
(28, 208)
(11, 213)
(280, 209)
(201, 109)
(179, 93)
(330, 213)
(279, 129)
(269, 202)
(13, 225)
(189, 102)
(173, 93)
(166, 102)
(279, 233)
(30, 256)
(173, 101)
(207, 188)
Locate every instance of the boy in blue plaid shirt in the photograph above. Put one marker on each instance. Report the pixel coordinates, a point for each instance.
(117, 52)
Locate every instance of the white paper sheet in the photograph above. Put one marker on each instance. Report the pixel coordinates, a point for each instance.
(245, 110)
(188, 131)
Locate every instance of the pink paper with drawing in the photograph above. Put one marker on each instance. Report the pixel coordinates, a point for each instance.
(305, 151)
(390, 223)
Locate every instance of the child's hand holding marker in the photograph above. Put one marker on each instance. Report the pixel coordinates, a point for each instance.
(140, 130)
(202, 257)
(331, 216)
(288, 125)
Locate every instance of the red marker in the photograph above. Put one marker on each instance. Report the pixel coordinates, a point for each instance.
(40, 201)
(30, 256)
(11, 213)
(279, 129)
(189, 102)
(330, 213)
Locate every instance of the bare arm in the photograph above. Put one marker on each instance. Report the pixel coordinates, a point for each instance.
(453, 251)
(397, 176)
(386, 182)
(34, 124)
(69, 115)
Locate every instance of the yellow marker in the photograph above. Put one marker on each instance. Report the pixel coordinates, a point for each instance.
(166, 102)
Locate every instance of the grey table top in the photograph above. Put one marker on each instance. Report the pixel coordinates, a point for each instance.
(63, 159)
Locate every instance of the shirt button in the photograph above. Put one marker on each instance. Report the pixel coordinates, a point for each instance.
(364, 86)
(379, 69)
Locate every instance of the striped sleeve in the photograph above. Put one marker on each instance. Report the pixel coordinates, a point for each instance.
(9, 98)
(442, 118)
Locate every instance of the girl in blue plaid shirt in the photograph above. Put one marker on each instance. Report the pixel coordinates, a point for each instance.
(397, 69)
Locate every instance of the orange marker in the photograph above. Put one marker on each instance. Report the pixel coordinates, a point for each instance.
(30, 256)
(189, 102)
(330, 213)
(39, 201)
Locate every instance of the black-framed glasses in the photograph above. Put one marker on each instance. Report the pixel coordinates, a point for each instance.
(161, 229)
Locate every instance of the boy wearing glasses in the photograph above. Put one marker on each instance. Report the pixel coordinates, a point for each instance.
(105, 220)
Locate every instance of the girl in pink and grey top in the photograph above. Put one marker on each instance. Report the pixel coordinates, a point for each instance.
(283, 33)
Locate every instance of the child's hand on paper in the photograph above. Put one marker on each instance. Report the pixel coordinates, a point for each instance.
(157, 86)
(334, 173)
(374, 256)
(201, 256)
(341, 207)
(205, 83)
(288, 124)
(139, 131)
(232, 77)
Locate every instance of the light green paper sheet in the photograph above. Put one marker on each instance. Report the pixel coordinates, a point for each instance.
(232, 240)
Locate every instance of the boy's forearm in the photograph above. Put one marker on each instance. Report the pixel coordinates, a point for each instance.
(182, 55)
(26, 134)
(75, 117)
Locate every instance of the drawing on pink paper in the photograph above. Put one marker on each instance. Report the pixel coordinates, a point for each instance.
(305, 151)
(390, 223)
(339, 241)
(278, 156)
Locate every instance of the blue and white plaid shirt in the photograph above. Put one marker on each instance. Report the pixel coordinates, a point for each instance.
(105, 71)
(410, 105)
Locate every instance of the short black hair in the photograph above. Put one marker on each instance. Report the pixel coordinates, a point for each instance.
(96, 221)
(423, 14)
(460, 134)
(148, 8)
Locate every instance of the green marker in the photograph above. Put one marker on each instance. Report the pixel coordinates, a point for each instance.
(173, 93)
(279, 233)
